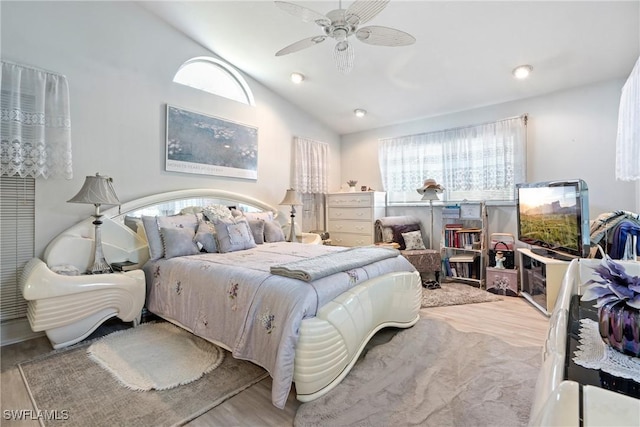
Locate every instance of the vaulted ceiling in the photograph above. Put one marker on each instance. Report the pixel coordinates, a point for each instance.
(463, 57)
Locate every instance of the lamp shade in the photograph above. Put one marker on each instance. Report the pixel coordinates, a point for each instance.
(96, 190)
(291, 198)
(430, 194)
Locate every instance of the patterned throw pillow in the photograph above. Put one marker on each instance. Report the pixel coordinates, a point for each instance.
(233, 234)
(413, 240)
(398, 231)
(213, 212)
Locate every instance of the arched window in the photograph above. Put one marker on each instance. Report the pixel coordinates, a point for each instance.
(216, 77)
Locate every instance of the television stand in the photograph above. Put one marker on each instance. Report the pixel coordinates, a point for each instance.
(548, 253)
(540, 279)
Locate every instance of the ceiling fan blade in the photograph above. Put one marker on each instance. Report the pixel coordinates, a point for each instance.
(384, 36)
(364, 10)
(344, 55)
(301, 44)
(304, 13)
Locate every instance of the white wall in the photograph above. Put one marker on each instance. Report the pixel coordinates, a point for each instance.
(571, 134)
(120, 61)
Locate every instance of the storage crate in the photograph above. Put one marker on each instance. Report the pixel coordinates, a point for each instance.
(502, 281)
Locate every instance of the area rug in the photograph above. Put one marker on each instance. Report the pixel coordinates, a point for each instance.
(432, 375)
(452, 293)
(179, 357)
(70, 381)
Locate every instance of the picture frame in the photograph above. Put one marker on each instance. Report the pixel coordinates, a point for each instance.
(202, 144)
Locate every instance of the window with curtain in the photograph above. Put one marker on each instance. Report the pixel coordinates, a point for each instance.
(628, 138)
(311, 179)
(479, 162)
(17, 228)
(35, 142)
(35, 123)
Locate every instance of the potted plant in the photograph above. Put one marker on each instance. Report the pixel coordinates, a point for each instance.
(352, 185)
(618, 302)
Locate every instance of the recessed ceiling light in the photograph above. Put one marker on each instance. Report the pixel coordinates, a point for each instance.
(297, 78)
(359, 112)
(522, 72)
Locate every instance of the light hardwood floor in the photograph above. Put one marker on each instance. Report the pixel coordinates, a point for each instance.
(512, 320)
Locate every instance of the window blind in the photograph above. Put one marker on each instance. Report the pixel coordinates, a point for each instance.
(17, 235)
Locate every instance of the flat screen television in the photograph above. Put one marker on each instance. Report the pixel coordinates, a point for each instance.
(553, 217)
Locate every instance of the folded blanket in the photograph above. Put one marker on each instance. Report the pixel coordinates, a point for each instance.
(311, 269)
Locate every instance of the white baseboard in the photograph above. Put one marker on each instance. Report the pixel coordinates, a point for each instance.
(16, 330)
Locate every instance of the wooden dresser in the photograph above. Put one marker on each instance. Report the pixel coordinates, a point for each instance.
(351, 216)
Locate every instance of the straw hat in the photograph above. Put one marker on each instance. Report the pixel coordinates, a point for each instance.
(430, 184)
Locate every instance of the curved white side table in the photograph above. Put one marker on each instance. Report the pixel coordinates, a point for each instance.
(70, 308)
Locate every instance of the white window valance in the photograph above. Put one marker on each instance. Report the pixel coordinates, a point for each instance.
(311, 163)
(35, 123)
(628, 139)
(478, 162)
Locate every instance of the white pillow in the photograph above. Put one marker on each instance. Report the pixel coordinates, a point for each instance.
(213, 212)
(264, 216)
(413, 240)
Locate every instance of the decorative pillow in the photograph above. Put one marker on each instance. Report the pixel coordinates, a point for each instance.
(273, 232)
(399, 229)
(178, 242)
(257, 229)
(233, 235)
(153, 224)
(154, 241)
(213, 212)
(206, 237)
(413, 240)
(265, 216)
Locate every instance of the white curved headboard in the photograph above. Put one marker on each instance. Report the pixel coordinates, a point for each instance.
(74, 246)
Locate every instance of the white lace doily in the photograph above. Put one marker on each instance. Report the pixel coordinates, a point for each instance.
(593, 353)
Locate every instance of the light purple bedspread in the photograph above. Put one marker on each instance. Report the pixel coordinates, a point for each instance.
(234, 300)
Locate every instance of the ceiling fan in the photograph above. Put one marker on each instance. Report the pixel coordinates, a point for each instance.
(340, 24)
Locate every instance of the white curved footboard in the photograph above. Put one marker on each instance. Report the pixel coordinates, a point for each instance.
(330, 343)
(69, 308)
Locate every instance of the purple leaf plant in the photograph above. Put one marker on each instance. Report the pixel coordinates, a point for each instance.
(614, 285)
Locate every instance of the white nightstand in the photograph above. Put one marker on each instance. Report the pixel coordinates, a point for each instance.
(70, 308)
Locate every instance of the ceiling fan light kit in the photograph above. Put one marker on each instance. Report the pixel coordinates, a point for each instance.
(340, 24)
(297, 78)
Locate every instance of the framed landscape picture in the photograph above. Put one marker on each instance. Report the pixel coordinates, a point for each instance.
(207, 145)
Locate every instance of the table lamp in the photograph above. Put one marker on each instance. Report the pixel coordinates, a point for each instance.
(291, 199)
(97, 190)
(429, 191)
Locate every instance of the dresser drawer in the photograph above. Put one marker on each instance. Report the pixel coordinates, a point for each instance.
(350, 200)
(347, 239)
(364, 214)
(361, 227)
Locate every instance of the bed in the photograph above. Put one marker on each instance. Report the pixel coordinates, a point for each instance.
(303, 332)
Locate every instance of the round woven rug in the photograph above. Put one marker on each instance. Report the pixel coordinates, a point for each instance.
(453, 293)
(156, 356)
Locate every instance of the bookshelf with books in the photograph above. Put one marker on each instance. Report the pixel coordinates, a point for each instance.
(463, 243)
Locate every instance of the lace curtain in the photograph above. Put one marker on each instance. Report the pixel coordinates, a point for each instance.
(311, 162)
(35, 123)
(311, 179)
(479, 162)
(628, 141)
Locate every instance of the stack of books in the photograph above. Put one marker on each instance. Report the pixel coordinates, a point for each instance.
(124, 266)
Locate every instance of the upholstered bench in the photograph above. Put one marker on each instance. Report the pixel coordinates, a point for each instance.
(424, 260)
